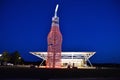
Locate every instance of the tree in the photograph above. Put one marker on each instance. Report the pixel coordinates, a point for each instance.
(16, 58)
(5, 57)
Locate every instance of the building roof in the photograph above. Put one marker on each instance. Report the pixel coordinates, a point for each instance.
(86, 55)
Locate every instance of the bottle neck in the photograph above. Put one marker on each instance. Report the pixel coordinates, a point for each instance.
(55, 24)
(55, 27)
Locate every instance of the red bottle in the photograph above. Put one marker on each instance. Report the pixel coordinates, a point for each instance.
(54, 44)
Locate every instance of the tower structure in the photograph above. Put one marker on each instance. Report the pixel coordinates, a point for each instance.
(54, 40)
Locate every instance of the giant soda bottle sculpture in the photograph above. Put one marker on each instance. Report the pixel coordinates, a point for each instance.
(54, 44)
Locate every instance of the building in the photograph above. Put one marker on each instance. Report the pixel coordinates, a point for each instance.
(54, 57)
(72, 59)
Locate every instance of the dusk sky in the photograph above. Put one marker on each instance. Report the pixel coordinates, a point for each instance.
(86, 25)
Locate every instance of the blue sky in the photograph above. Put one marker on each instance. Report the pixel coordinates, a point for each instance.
(86, 25)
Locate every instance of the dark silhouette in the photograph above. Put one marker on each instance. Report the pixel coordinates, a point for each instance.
(16, 58)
